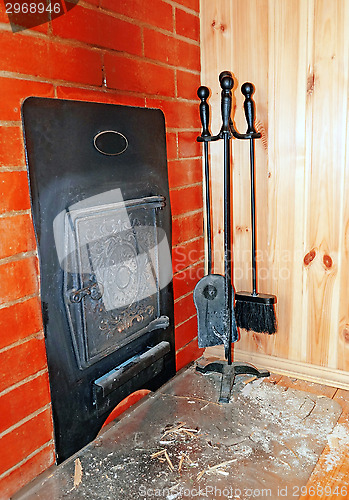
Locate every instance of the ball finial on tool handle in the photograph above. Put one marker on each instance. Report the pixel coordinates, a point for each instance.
(203, 93)
(223, 74)
(248, 89)
(227, 83)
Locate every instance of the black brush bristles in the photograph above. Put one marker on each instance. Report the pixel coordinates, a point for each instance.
(255, 312)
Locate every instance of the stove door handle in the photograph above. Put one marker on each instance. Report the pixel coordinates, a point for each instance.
(94, 290)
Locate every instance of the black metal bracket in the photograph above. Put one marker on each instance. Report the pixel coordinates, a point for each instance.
(229, 372)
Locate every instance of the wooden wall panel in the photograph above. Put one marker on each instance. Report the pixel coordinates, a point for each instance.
(252, 67)
(216, 18)
(296, 54)
(325, 199)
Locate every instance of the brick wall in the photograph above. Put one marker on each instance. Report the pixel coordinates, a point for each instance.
(142, 53)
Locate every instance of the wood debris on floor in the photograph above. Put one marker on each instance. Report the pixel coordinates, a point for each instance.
(267, 439)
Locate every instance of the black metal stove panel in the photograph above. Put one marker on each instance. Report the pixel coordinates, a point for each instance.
(100, 204)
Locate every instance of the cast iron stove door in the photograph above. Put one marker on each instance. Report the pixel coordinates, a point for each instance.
(100, 204)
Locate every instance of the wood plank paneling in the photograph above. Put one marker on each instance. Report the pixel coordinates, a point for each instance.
(343, 327)
(216, 33)
(325, 197)
(250, 53)
(296, 54)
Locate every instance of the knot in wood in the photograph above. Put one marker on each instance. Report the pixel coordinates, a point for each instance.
(345, 334)
(327, 260)
(309, 257)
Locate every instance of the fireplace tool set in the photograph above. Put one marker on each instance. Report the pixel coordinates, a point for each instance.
(213, 294)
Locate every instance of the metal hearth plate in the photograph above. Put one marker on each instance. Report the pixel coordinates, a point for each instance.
(263, 444)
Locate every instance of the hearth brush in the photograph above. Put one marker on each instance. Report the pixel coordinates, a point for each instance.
(254, 311)
(213, 294)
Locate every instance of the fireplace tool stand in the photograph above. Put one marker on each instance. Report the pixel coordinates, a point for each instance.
(213, 294)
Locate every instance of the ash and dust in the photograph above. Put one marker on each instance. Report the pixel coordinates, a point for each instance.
(180, 440)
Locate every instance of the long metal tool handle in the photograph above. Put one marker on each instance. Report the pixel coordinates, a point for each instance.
(227, 84)
(203, 94)
(248, 89)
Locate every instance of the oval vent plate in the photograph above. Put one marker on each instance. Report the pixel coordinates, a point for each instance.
(110, 143)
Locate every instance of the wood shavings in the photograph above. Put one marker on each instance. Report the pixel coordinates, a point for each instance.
(156, 454)
(292, 451)
(222, 472)
(286, 463)
(191, 430)
(310, 411)
(77, 473)
(215, 468)
(199, 476)
(180, 463)
(185, 458)
(179, 430)
(202, 400)
(167, 459)
(171, 430)
(251, 379)
(333, 441)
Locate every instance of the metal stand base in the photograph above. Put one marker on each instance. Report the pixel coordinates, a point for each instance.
(229, 373)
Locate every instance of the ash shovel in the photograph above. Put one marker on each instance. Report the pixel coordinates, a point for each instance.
(213, 294)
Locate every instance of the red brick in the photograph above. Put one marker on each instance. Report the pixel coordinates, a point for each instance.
(17, 235)
(184, 309)
(19, 321)
(21, 442)
(188, 145)
(187, 254)
(24, 54)
(13, 92)
(185, 281)
(14, 191)
(74, 64)
(186, 332)
(18, 279)
(98, 29)
(11, 147)
(23, 401)
(187, 25)
(52, 60)
(187, 227)
(21, 361)
(186, 199)
(170, 50)
(3, 16)
(138, 76)
(99, 96)
(11, 483)
(158, 13)
(178, 114)
(43, 28)
(184, 172)
(191, 4)
(171, 142)
(187, 85)
(188, 354)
